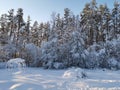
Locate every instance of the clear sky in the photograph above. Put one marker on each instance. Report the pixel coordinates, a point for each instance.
(41, 10)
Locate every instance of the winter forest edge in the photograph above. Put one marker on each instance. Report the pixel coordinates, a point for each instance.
(89, 40)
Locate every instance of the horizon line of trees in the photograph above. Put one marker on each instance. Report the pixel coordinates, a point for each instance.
(98, 23)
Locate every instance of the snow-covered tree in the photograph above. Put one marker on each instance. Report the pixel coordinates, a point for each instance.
(116, 20)
(3, 29)
(90, 40)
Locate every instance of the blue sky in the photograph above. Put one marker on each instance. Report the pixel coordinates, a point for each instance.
(41, 10)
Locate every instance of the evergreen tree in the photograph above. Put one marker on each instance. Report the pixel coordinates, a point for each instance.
(3, 29)
(116, 19)
(34, 33)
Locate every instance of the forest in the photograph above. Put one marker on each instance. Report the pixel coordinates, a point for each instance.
(88, 40)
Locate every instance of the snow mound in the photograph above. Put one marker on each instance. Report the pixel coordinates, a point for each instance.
(75, 73)
(68, 74)
(16, 63)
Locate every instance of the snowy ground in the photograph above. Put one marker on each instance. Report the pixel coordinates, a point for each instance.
(40, 79)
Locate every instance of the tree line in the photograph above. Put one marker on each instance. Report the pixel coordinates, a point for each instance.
(88, 40)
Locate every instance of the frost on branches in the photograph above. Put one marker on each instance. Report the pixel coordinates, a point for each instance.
(88, 40)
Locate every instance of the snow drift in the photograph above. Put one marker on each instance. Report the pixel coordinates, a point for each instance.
(16, 63)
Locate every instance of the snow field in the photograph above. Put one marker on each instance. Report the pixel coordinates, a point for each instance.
(68, 79)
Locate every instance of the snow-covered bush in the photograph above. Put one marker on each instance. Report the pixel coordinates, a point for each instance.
(75, 74)
(16, 63)
(3, 56)
(109, 55)
(102, 59)
(112, 63)
(7, 52)
(52, 56)
(90, 56)
(53, 65)
(73, 53)
(48, 64)
(58, 65)
(10, 51)
(33, 53)
(91, 60)
(76, 49)
(118, 66)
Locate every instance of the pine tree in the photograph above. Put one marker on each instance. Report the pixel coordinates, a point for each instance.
(34, 33)
(3, 29)
(104, 24)
(28, 30)
(89, 21)
(116, 19)
(19, 23)
(11, 22)
(66, 15)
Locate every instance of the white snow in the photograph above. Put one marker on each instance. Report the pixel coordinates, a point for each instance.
(16, 63)
(40, 79)
(2, 65)
(76, 55)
